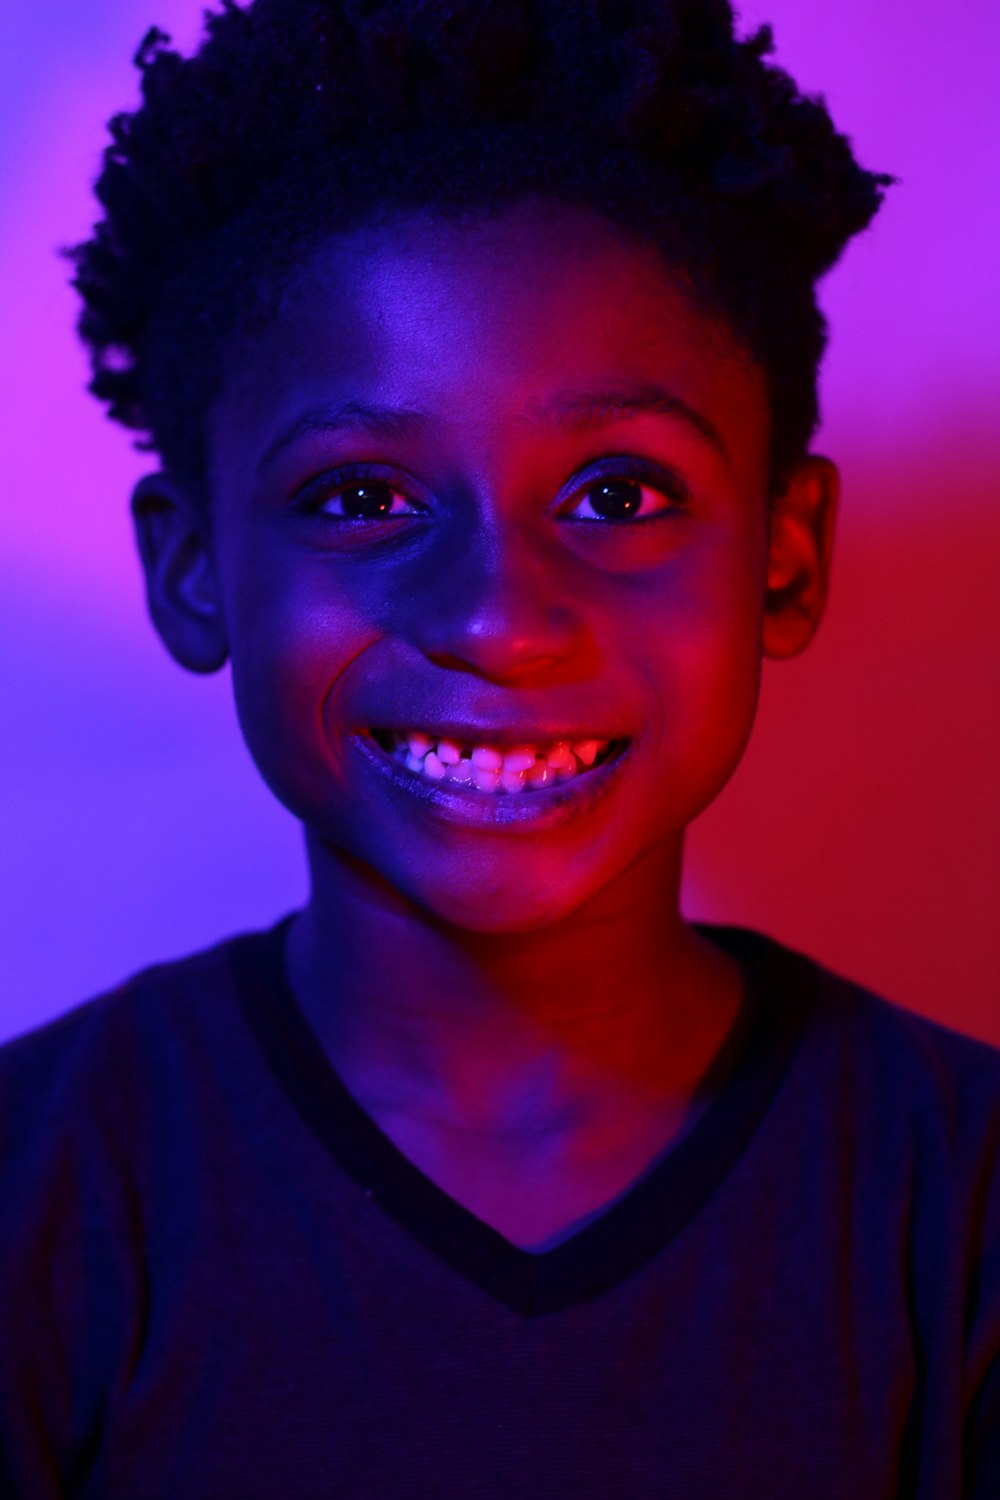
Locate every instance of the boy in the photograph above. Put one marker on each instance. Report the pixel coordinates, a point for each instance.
(479, 346)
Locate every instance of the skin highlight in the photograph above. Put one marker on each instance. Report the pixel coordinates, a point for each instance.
(525, 1012)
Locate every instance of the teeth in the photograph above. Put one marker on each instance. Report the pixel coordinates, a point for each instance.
(486, 768)
(586, 750)
(541, 774)
(484, 777)
(419, 744)
(562, 760)
(434, 768)
(520, 759)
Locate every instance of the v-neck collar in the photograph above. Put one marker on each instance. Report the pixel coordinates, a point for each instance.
(606, 1250)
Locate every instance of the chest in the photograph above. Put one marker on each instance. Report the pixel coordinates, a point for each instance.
(537, 1200)
(364, 1363)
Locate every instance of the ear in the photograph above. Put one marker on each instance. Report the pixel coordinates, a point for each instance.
(174, 536)
(800, 549)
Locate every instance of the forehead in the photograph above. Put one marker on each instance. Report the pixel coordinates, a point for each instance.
(480, 324)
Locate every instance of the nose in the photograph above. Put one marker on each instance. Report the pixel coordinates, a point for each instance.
(496, 608)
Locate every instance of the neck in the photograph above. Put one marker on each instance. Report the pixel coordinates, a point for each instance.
(517, 1037)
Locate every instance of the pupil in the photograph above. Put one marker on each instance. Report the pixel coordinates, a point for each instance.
(615, 498)
(371, 497)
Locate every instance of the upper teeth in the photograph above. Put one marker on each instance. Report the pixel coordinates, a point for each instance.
(490, 768)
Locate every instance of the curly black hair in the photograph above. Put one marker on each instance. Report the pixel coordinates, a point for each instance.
(299, 117)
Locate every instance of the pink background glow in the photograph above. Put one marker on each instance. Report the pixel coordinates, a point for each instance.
(864, 823)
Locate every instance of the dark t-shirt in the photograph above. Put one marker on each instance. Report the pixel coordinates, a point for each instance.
(218, 1278)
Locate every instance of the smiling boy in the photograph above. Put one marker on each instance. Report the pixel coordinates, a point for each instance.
(479, 346)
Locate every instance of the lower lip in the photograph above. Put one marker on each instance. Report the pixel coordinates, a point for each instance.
(544, 807)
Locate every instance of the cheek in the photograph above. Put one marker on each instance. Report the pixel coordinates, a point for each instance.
(292, 641)
(701, 652)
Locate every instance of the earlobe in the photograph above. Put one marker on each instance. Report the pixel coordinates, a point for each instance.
(173, 535)
(800, 551)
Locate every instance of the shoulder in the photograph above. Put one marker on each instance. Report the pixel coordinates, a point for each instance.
(41, 1068)
(99, 1112)
(873, 1049)
(97, 1089)
(902, 1110)
(905, 1111)
(945, 1083)
(926, 1136)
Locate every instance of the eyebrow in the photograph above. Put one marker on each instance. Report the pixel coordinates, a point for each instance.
(581, 411)
(390, 422)
(584, 411)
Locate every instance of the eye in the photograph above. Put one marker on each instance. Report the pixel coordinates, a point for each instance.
(360, 492)
(370, 499)
(634, 491)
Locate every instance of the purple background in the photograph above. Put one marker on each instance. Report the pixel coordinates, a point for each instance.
(864, 823)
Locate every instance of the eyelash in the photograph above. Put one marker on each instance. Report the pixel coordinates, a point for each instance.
(312, 496)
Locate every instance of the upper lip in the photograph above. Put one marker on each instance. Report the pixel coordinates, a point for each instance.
(502, 736)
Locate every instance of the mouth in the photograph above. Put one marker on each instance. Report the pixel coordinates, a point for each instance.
(497, 783)
(488, 769)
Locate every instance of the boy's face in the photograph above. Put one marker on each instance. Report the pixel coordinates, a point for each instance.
(486, 589)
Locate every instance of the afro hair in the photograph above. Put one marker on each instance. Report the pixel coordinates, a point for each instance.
(297, 118)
